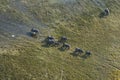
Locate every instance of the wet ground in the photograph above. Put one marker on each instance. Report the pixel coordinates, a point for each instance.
(17, 28)
(14, 28)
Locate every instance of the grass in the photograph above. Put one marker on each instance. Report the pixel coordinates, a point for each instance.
(27, 59)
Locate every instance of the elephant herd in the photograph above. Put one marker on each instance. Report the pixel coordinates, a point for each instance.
(50, 40)
(62, 43)
(79, 51)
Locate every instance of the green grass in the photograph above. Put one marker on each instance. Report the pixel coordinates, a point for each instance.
(27, 59)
